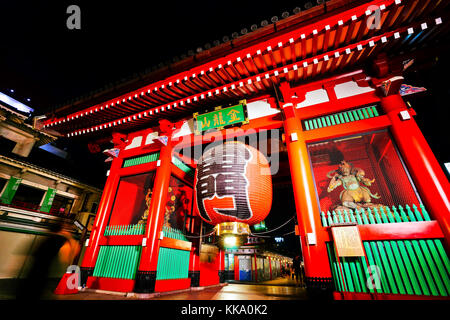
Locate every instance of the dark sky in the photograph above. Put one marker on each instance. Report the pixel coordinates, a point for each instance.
(42, 59)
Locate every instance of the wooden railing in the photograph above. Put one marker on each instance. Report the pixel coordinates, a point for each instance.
(417, 266)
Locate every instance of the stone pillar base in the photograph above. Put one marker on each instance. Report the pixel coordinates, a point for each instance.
(145, 282)
(85, 273)
(195, 278)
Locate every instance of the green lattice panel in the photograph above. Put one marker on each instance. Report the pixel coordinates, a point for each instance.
(117, 262)
(341, 117)
(415, 267)
(174, 233)
(172, 264)
(182, 166)
(141, 160)
(125, 230)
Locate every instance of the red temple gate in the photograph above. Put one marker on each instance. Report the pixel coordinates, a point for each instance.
(356, 156)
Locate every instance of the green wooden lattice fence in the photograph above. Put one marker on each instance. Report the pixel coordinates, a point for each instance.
(141, 159)
(182, 166)
(123, 230)
(174, 233)
(117, 262)
(341, 117)
(415, 267)
(172, 264)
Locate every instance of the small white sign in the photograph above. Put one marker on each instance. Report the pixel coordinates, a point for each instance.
(294, 136)
(405, 115)
(311, 237)
(144, 242)
(447, 165)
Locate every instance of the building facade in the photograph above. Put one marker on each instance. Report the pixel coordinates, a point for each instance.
(33, 198)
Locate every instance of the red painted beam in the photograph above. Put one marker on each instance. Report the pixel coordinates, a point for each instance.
(122, 240)
(345, 129)
(398, 231)
(402, 230)
(172, 284)
(176, 244)
(110, 284)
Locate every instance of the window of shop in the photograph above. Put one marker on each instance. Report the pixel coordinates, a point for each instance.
(360, 172)
(28, 197)
(61, 205)
(229, 262)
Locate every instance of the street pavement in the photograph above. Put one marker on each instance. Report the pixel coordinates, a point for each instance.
(278, 289)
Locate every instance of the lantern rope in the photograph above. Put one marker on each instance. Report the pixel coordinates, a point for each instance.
(264, 232)
(202, 236)
(255, 235)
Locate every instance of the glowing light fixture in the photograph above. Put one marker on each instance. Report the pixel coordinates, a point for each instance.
(14, 103)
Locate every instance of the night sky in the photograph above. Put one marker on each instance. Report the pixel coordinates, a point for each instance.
(41, 59)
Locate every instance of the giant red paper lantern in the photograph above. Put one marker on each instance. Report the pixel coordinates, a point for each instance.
(233, 184)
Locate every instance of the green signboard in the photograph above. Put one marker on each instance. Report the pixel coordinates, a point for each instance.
(48, 200)
(10, 190)
(221, 117)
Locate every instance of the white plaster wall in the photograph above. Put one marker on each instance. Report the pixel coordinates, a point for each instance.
(259, 109)
(350, 88)
(314, 97)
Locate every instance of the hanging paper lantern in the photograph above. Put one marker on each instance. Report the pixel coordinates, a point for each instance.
(233, 184)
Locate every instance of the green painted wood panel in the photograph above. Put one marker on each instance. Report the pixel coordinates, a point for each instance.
(416, 267)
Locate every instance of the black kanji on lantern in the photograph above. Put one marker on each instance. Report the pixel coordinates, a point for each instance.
(221, 172)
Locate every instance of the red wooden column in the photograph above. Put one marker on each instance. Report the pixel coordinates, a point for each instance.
(146, 274)
(270, 268)
(256, 268)
(101, 220)
(312, 234)
(194, 259)
(425, 170)
(221, 266)
(236, 267)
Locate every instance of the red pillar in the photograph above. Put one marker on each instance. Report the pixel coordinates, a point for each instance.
(256, 268)
(221, 266)
(194, 260)
(270, 268)
(236, 267)
(312, 234)
(146, 274)
(194, 267)
(101, 220)
(425, 170)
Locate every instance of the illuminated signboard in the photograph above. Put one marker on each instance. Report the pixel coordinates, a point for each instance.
(221, 118)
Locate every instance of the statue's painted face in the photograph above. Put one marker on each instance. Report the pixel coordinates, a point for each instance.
(345, 168)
